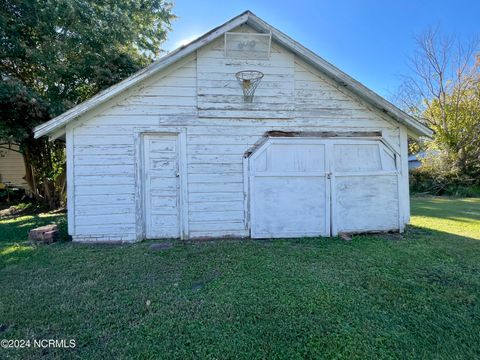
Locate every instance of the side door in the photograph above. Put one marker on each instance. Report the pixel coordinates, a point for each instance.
(161, 185)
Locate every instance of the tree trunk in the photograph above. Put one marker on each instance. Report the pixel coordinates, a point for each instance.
(29, 175)
(45, 170)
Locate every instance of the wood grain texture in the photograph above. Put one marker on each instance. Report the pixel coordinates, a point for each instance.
(215, 73)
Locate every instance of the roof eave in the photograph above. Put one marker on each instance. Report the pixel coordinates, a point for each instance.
(107, 94)
(340, 77)
(251, 19)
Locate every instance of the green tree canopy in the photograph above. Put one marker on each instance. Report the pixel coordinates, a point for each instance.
(55, 54)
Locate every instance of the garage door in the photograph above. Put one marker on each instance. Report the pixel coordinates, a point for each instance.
(309, 187)
(161, 170)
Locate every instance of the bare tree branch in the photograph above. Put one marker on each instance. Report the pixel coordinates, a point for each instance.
(443, 90)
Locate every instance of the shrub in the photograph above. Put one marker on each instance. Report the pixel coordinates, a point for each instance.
(423, 181)
(437, 176)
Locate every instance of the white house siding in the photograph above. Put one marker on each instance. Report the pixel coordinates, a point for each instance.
(12, 168)
(219, 129)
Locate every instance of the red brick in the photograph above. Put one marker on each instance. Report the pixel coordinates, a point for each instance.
(46, 234)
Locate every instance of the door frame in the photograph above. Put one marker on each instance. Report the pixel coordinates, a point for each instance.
(140, 213)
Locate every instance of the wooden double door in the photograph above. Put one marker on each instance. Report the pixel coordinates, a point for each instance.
(302, 187)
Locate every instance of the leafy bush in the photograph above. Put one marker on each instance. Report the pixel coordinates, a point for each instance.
(11, 194)
(423, 182)
(437, 176)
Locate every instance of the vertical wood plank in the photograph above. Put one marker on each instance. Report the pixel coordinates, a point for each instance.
(69, 139)
(404, 194)
(139, 187)
(246, 193)
(183, 166)
(329, 199)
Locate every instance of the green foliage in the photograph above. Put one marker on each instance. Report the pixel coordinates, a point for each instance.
(415, 146)
(20, 107)
(9, 195)
(423, 181)
(414, 295)
(55, 54)
(437, 176)
(443, 92)
(453, 166)
(456, 122)
(65, 51)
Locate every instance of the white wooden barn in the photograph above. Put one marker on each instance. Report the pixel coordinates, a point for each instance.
(176, 151)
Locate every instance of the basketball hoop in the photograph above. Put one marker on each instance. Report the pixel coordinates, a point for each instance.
(249, 80)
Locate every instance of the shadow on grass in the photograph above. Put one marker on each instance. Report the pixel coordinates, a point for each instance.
(14, 243)
(378, 296)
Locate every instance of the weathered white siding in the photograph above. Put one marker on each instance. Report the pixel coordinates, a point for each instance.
(218, 89)
(201, 97)
(12, 168)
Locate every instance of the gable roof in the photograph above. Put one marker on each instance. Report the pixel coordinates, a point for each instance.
(57, 125)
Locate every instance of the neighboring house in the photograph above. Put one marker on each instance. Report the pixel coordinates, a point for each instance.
(175, 151)
(415, 160)
(12, 167)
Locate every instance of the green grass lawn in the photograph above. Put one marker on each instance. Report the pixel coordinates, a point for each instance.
(415, 295)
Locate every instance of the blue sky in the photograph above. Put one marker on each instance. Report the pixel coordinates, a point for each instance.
(370, 40)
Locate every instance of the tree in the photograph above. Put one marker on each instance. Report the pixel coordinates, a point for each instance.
(55, 54)
(444, 93)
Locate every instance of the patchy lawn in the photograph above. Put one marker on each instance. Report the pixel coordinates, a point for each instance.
(384, 296)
